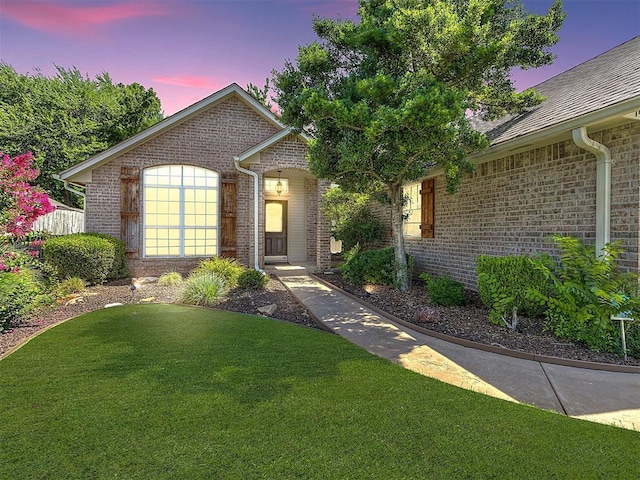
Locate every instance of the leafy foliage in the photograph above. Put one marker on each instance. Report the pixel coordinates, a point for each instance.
(66, 118)
(370, 266)
(169, 279)
(504, 284)
(226, 268)
(444, 290)
(353, 221)
(18, 296)
(119, 268)
(204, 288)
(252, 279)
(69, 286)
(585, 292)
(20, 203)
(89, 257)
(387, 98)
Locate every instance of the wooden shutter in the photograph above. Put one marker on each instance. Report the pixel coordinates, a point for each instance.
(130, 210)
(228, 209)
(428, 211)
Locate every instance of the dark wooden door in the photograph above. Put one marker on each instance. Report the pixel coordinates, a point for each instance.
(275, 228)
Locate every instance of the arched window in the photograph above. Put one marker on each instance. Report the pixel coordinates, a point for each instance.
(180, 211)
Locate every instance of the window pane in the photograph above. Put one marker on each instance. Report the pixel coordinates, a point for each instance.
(180, 211)
(273, 216)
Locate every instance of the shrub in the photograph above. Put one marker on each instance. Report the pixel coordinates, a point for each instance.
(371, 266)
(89, 257)
(119, 267)
(204, 288)
(169, 279)
(444, 290)
(585, 292)
(227, 268)
(252, 279)
(18, 296)
(504, 283)
(70, 285)
(352, 219)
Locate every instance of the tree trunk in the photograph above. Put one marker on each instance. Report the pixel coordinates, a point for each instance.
(402, 270)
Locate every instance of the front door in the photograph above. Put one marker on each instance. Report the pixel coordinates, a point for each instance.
(275, 239)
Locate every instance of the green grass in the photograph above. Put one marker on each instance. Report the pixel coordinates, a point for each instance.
(157, 391)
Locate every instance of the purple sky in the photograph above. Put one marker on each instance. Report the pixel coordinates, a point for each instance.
(187, 49)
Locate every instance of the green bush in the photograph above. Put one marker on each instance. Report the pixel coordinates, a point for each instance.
(632, 334)
(252, 279)
(119, 267)
(585, 292)
(444, 291)
(227, 268)
(352, 219)
(504, 283)
(204, 288)
(371, 266)
(18, 296)
(169, 279)
(89, 257)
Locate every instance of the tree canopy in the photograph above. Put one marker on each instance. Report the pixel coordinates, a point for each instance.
(388, 98)
(68, 117)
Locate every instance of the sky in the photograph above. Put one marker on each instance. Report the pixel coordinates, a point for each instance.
(188, 49)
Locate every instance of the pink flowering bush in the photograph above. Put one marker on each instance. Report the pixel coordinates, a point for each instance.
(20, 202)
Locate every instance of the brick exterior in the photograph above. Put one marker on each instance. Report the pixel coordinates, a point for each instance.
(210, 140)
(512, 205)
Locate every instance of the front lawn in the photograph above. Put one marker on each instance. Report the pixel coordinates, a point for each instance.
(158, 391)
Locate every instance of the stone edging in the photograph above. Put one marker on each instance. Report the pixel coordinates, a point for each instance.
(488, 348)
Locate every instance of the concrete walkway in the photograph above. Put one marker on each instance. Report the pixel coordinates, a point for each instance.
(607, 397)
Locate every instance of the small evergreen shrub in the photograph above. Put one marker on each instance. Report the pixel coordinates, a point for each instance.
(252, 279)
(170, 279)
(206, 289)
(227, 268)
(19, 293)
(89, 257)
(504, 283)
(371, 266)
(444, 291)
(586, 291)
(119, 267)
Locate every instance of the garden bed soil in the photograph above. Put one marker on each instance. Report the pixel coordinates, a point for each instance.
(468, 322)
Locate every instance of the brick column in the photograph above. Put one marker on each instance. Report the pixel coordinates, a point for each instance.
(323, 230)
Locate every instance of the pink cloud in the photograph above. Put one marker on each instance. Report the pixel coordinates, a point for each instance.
(190, 81)
(67, 18)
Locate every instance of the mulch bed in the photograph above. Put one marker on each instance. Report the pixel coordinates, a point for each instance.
(468, 322)
(471, 322)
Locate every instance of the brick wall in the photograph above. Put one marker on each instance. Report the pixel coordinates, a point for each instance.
(209, 140)
(513, 204)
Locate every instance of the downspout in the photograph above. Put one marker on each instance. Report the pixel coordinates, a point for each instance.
(66, 186)
(256, 190)
(603, 185)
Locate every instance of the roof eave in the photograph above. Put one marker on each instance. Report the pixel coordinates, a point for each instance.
(590, 119)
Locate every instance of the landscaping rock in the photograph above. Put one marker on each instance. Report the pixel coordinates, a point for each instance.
(268, 309)
(427, 315)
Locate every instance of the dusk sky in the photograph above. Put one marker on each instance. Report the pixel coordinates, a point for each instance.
(187, 49)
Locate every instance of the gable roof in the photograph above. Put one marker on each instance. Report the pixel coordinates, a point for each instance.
(606, 85)
(144, 136)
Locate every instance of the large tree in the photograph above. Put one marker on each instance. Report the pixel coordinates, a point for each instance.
(388, 98)
(65, 118)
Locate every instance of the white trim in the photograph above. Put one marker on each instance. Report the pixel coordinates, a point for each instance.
(268, 142)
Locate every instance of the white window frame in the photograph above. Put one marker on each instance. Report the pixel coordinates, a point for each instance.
(412, 210)
(181, 188)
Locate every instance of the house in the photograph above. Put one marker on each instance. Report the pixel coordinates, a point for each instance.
(569, 166)
(223, 177)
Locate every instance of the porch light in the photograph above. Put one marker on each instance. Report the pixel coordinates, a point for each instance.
(279, 186)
